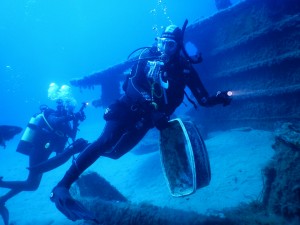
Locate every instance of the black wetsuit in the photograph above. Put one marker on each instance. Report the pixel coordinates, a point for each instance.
(50, 136)
(144, 105)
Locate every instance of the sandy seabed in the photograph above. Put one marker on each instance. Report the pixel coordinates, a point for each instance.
(237, 158)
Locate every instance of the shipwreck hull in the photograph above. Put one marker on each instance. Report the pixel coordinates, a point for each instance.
(252, 49)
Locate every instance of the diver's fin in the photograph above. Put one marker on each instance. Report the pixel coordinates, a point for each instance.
(4, 213)
(71, 208)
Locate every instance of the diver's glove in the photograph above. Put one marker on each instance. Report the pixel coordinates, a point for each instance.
(70, 207)
(224, 97)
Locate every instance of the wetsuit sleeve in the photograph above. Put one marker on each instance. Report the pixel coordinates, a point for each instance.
(61, 158)
(196, 86)
(198, 90)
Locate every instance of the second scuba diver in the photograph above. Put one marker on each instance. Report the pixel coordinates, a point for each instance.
(47, 131)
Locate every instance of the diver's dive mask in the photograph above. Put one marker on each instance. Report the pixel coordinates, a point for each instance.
(166, 45)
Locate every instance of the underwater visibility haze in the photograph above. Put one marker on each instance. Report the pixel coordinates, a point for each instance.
(249, 143)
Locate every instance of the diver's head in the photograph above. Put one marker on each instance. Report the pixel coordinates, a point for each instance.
(66, 105)
(70, 104)
(170, 41)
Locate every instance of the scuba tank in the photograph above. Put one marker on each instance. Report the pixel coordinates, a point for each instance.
(35, 126)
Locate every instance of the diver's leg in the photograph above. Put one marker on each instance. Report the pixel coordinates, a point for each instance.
(128, 140)
(4, 213)
(31, 184)
(3, 210)
(60, 195)
(60, 158)
(9, 195)
(110, 135)
(34, 178)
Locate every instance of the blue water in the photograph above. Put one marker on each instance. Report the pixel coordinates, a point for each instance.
(58, 40)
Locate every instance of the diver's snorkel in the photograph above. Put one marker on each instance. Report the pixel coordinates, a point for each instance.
(197, 59)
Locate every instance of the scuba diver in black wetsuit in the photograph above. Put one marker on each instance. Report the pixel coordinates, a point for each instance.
(153, 90)
(46, 132)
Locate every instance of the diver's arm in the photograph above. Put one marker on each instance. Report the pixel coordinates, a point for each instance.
(200, 93)
(61, 158)
(51, 163)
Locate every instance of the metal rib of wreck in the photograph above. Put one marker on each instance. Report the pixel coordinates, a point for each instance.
(251, 48)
